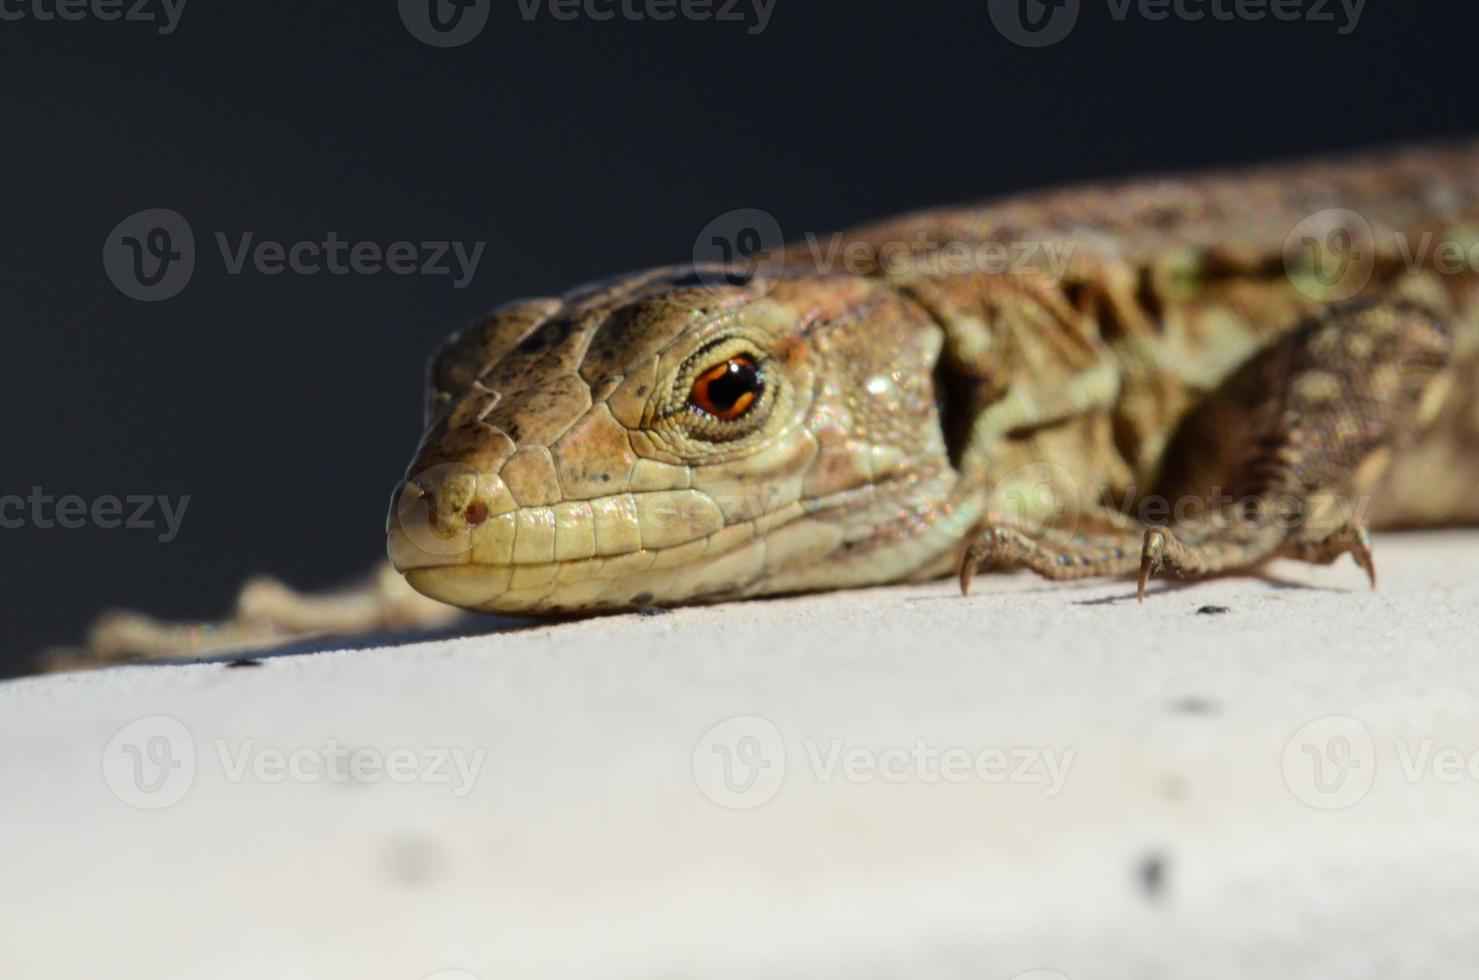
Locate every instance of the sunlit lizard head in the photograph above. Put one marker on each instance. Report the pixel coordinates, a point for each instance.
(658, 439)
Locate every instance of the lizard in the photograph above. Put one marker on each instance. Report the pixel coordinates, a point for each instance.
(1168, 376)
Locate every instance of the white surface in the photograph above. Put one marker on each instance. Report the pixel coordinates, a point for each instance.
(593, 841)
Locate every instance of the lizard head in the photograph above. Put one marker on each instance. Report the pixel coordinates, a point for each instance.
(656, 440)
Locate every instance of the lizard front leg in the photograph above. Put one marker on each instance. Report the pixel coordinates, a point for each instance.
(1052, 553)
(1278, 460)
(1299, 436)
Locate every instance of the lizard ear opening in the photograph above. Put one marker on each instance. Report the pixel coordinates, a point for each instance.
(956, 406)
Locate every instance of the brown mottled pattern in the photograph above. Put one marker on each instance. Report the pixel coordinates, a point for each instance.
(1240, 217)
(904, 402)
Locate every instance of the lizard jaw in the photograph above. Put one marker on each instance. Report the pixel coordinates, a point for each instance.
(680, 555)
(627, 550)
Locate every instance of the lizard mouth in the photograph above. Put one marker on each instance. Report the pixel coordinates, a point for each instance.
(626, 550)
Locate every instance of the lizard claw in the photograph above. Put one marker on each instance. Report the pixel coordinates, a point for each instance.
(966, 572)
(985, 543)
(1152, 553)
(1361, 552)
(1350, 538)
(970, 558)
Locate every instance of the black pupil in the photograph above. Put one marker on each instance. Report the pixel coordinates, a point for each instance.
(739, 379)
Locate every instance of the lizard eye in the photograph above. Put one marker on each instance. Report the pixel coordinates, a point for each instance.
(728, 389)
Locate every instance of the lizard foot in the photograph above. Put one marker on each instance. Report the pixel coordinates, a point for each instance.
(1052, 554)
(1232, 550)
(1350, 538)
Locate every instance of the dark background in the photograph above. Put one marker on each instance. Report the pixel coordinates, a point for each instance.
(287, 406)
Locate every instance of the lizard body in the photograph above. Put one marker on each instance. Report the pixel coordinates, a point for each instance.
(1187, 375)
(901, 407)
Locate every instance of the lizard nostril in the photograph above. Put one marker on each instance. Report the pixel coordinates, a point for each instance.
(426, 498)
(476, 513)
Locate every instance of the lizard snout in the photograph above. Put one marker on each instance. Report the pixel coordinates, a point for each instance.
(433, 514)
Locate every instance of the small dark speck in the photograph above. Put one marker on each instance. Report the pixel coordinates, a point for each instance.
(414, 861)
(1213, 610)
(652, 611)
(1152, 874)
(605, 477)
(1193, 705)
(641, 390)
(242, 662)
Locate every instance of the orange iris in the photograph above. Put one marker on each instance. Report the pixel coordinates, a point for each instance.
(727, 390)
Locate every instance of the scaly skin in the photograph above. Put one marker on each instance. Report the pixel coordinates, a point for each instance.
(905, 405)
(592, 485)
(1122, 350)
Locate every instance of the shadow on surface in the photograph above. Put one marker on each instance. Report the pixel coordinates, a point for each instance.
(471, 625)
